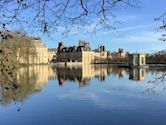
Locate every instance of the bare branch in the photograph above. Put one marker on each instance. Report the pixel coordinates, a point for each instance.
(46, 15)
(85, 10)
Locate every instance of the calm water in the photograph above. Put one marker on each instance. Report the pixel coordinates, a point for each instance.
(87, 95)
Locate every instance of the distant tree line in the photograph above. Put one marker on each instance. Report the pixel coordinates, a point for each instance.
(157, 58)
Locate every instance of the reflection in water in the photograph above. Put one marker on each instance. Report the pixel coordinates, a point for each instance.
(118, 100)
(38, 76)
(137, 74)
(83, 74)
(27, 81)
(32, 79)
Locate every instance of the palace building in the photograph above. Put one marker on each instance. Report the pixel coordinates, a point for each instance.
(137, 60)
(41, 51)
(100, 54)
(52, 55)
(81, 54)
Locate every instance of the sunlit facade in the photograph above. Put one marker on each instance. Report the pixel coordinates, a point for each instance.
(81, 54)
(41, 51)
(137, 59)
(41, 55)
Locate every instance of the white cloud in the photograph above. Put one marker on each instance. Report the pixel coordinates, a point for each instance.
(111, 100)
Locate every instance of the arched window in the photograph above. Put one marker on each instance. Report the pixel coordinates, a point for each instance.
(142, 60)
(136, 60)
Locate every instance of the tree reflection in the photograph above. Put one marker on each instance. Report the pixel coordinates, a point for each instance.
(18, 85)
(23, 82)
(158, 81)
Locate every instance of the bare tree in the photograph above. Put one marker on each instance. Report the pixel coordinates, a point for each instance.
(159, 57)
(48, 15)
(12, 45)
(162, 28)
(15, 46)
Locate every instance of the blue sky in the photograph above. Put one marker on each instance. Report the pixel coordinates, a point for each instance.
(135, 33)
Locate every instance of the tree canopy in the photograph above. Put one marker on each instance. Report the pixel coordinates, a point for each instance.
(48, 15)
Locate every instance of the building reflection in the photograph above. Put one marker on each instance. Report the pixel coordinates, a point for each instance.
(32, 79)
(37, 75)
(84, 74)
(79, 74)
(116, 71)
(27, 81)
(137, 74)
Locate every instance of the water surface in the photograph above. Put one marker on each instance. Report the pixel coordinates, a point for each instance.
(87, 95)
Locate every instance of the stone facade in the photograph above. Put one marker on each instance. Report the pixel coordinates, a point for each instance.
(85, 57)
(39, 53)
(137, 59)
(42, 52)
(100, 54)
(78, 54)
(81, 54)
(120, 54)
(52, 55)
(42, 55)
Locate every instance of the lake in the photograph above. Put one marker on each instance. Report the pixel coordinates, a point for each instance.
(84, 95)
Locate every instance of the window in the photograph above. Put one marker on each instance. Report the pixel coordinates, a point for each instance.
(142, 60)
(136, 60)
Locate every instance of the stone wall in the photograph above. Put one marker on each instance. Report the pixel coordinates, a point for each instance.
(69, 56)
(137, 59)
